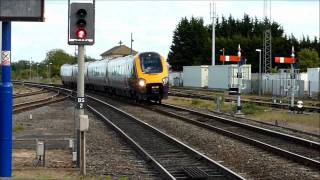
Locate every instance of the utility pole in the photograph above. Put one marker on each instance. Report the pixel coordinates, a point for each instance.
(131, 45)
(213, 17)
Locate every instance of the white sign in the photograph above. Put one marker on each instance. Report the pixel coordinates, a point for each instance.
(5, 58)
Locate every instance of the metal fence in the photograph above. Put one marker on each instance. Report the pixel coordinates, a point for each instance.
(280, 88)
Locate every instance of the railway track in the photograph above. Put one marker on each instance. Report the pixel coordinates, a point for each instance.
(172, 158)
(17, 108)
(297, 149)
(261, 102)
(18, 95)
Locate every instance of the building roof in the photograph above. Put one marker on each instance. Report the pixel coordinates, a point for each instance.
(121, 50)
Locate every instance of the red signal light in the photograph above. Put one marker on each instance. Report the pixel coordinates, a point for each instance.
(81, 33)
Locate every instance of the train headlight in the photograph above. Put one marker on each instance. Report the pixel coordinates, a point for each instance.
(165, 80)
(142, 82)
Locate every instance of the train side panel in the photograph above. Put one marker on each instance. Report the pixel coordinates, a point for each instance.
(120, 73)
(66, 74)
(97, 75)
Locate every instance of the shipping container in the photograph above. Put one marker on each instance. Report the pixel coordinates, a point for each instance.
(223, 77)
(175, 78)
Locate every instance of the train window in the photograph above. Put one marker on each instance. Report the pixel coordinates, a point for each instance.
(150, 63)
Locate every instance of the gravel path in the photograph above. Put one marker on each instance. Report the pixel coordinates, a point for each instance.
(251, 162)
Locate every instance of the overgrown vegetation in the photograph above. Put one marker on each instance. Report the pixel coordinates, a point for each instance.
(249, 108)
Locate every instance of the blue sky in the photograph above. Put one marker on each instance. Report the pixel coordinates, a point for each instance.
(151, 22)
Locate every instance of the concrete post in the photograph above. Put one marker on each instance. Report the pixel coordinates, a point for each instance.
(80, 93)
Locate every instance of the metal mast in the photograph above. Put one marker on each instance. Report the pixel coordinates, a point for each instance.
(213, 17)
(267, 46)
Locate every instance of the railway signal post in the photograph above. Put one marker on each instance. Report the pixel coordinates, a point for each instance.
(81, 32)
(237, 90)
(11, 10)
(290, 60)
(239, 76)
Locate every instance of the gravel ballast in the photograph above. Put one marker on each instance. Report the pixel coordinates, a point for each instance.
(249, 161)
(107, 154)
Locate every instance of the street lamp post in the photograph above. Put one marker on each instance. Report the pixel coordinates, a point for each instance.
(50, 73)
(260, 75)
(37, 72)
(222, 54)
(47, 71)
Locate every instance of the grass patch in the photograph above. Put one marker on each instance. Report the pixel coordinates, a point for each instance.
(308, 122)
(196, 102)
(249, 108)
(18, 127)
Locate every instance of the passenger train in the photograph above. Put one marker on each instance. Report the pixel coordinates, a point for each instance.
(142, 77)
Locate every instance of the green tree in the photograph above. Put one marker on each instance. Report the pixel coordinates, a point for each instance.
(191, 44)
(308, 58)
(57, 57)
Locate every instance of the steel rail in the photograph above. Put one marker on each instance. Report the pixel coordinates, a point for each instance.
(166, 173)
(220, 171)
(35, 104)
(262, 131)
(255, 101)
(18, 95)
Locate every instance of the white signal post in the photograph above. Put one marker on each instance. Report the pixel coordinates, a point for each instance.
(293, 84)
(239, 76)
(292, 87)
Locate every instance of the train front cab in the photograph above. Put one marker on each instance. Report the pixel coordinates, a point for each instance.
(152, 76)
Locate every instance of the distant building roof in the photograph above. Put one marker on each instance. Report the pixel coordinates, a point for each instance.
(121, 50)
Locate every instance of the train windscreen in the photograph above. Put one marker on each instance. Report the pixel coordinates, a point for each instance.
(150, 63)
